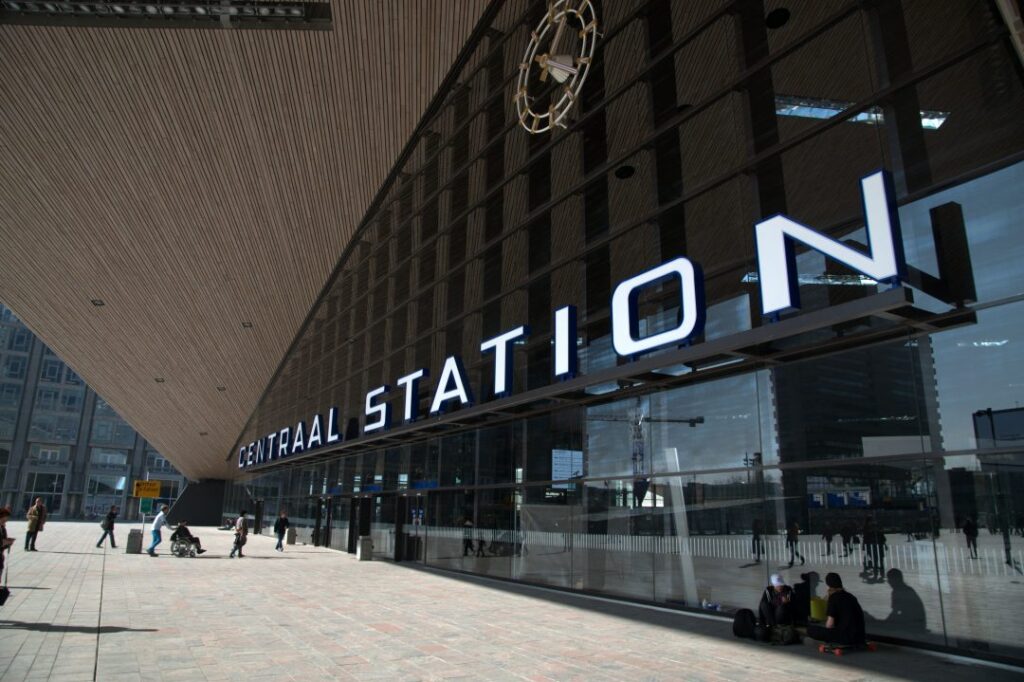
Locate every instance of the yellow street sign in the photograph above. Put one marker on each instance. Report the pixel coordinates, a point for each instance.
(146, 489)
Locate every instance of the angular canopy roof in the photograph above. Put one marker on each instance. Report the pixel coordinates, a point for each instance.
(202, 184)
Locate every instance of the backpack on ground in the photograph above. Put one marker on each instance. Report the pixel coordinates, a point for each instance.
(784, 634)
(743, 624)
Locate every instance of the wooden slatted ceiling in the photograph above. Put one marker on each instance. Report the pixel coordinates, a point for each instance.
(194, 180)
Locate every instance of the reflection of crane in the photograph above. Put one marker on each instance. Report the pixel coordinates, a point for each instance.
(636, 428)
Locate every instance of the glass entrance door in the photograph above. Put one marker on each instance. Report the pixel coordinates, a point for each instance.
(415, 528)
(382, 526)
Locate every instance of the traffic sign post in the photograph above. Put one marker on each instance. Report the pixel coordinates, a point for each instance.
(146, 489)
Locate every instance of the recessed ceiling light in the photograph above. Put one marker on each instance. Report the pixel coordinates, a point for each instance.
(158, 380)
(98, 302)
(777, 18)
(624, 172)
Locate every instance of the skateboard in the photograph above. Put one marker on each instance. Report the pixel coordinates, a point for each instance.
(841, 649)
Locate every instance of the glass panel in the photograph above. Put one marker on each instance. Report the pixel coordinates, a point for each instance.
(450, 528)
(547, 515)
(613, 538)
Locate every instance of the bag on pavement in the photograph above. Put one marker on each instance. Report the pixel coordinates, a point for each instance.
(743, 624)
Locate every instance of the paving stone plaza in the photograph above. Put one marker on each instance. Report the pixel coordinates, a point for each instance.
(79, 613)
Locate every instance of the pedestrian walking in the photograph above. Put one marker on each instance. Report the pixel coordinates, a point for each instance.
(159, 522)
(792, 542)
(36, 520)
(467, 537)
(281, 526)
(756, 546)
(970, 530)
(241, 534)
(827, 534)
(107, 524)
(846, 532)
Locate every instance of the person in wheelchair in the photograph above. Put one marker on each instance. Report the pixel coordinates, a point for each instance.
(183, 539)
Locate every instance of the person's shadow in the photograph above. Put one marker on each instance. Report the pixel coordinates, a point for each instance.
(52, 627)
(907, 612)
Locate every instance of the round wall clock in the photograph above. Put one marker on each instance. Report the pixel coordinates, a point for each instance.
(556, 64)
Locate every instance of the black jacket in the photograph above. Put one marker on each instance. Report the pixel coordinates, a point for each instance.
(282, 524)
(181, 533)
(110, 520)
(772, 610)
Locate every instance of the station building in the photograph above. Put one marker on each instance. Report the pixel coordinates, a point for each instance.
(660, 298)
(874, 421)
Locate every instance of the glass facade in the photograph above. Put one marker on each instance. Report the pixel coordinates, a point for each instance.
(62, 442)
(871, 436)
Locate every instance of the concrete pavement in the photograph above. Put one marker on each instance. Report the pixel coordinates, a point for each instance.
(79, 613)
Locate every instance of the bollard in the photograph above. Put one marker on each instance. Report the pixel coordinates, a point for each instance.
(134, 544)
(364, 549)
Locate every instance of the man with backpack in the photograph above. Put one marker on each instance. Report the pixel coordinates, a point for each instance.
(241, 534)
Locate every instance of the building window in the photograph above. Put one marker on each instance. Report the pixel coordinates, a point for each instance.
(10, 395)
(105, 458)
(49, 454)
(102, 493)
(13, 367)
(5, 457)
(19, 341)
(156, 462)
(48, 486)
(51, 371)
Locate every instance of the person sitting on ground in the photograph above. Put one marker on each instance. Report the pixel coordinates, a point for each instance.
(844, 622)
(776, 606)
(802, 593)
(183, 534)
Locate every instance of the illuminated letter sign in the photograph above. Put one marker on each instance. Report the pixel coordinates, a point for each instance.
(284, 441)
(776, 261)
(383, 411)
(502, 358)
(332, 426)
(315, 438)
(774, 242)
(625, 313)
(565, 342)
(412, 403)
(454, 374)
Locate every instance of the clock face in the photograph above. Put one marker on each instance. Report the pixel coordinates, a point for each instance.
(556, 64)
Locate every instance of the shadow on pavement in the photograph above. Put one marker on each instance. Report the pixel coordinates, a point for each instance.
(882, 663)
(50, 627)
